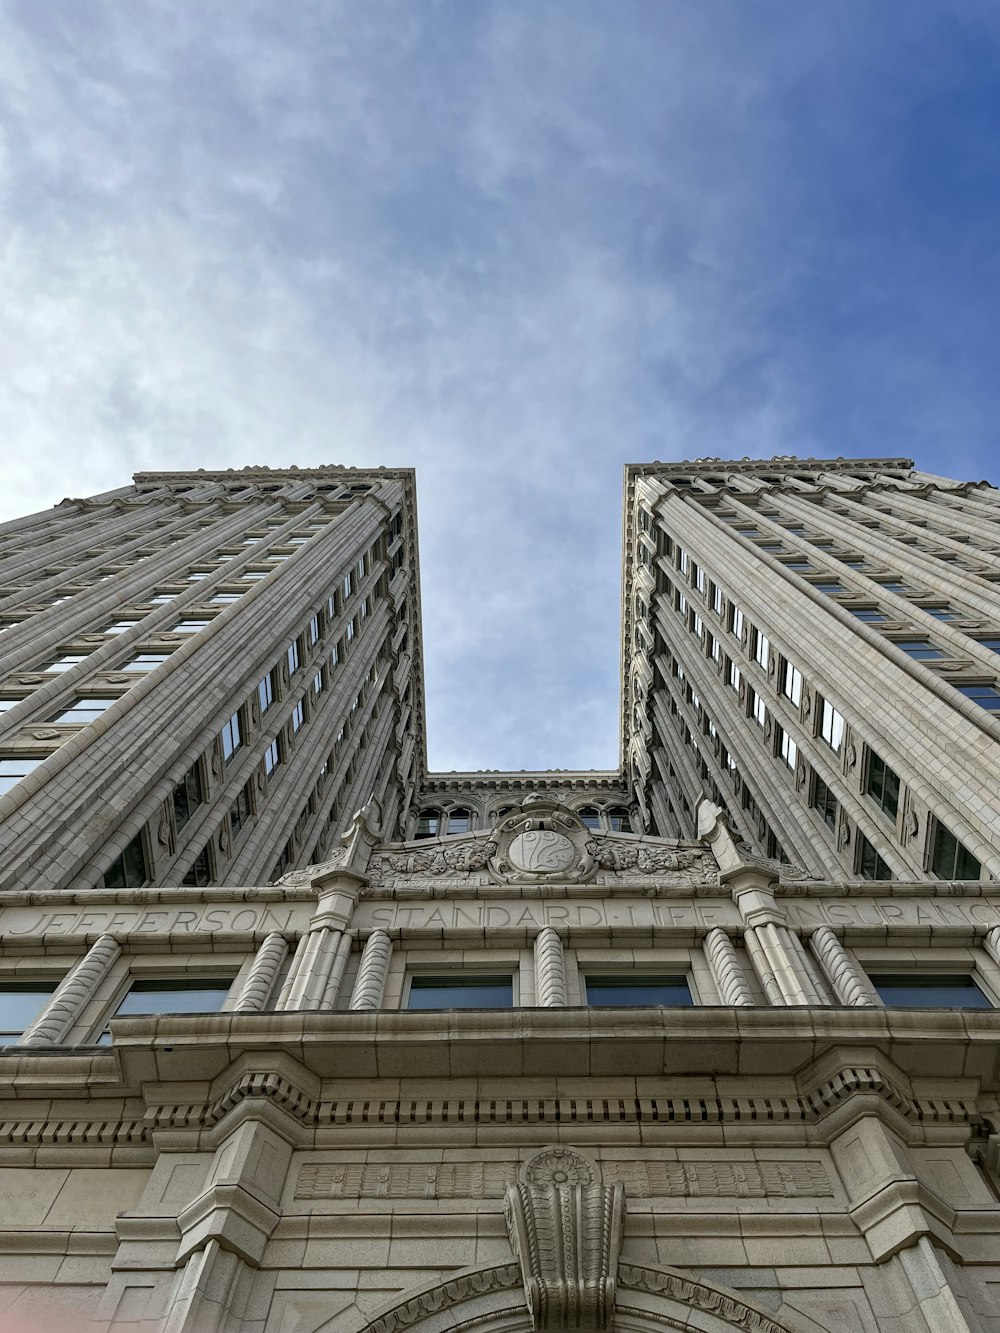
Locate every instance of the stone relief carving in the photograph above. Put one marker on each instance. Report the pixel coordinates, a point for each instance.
(566, 1232)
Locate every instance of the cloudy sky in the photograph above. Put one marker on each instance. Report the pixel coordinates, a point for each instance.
(513, 244)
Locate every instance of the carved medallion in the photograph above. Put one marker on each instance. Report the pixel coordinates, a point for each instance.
(541, 850)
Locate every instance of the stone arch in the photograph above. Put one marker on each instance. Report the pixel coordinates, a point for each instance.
(649, 1300)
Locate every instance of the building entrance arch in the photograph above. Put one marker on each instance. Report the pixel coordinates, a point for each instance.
(649, 1300)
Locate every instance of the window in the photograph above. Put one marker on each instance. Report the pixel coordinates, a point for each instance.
(128, 869)
(145, 662)
(618, 820)
(461, 991)
(626, 989)
(188, 795)
(882, 785)
(919, 649)
(292, 655)
(894, 585)
(189, 626)
(200, 873)
(428, 823)
(992, 644)
(870, 864)
(350, 631)
(346, 587)
(736, 622)
(313, 630)
(298, 716)
(187, 995)
(7, 704)
(831, 726)
(317, 686)
(64, 663)
(699, 578)
(458, 821)
(13, 769)
(241, 811)
(949, 859)
(272, 757)
(265, 692)
(589, 817)
(761, 648)
(20, 1004)
(868, 614)
(714, 649)
(791, 683)
(83, 710)
(683, 560)
(824, 801)
(232, 737)
(986, 696)
(758, 709)
(224, 598)
(831, 589)
(334, 656)
(919, 990)
(939, 612)
(716, 599)
(118, 627)
(787, 749)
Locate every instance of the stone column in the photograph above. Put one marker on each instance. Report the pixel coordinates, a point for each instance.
(373, 971)
(260, 979)
(775, 951)
(313, 969)
(840, 970)
(73, 993)
(550, 969)
(726, 969)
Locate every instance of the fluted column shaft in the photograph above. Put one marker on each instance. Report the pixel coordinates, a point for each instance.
(550, 969)
(373, 971)
(776, 955)
(840, 970)
(726, 969)
(263, 971)
(73, 993)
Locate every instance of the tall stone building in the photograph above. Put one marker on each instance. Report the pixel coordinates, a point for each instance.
(301, 1038)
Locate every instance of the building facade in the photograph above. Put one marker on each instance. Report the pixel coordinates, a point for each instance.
(301, 1038)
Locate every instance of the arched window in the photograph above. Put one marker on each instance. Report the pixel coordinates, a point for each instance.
(618, 819)
(428, 823)
(458, 821)
(589, 816)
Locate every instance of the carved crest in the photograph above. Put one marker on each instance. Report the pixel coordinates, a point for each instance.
(543, 840)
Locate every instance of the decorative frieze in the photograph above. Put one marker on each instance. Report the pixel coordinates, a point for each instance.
(641, 1178)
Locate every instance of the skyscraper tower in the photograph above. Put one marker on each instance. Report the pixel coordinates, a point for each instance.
(299, 1037)
(816, 645)
(206, 674)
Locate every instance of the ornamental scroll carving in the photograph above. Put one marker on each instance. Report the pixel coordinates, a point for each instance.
(566, 1232)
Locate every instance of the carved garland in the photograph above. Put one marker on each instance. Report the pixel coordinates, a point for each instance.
(505, 1277)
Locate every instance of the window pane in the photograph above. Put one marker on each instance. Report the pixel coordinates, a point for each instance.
(458, 821)
(205, 995)
(20, 1003)
(925, 992)
(83, 710)
(618, 820)
(626, 989)
(589, 817)
(13, 770)
(458, 992)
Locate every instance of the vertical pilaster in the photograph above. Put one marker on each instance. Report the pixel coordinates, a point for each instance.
(313, 975)
(73, 993)
(839, 968)
(727, 972)
(550, 969)
(263, 971)
(774, 950)
(373, 971)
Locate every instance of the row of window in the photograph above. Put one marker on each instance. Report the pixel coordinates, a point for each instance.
(131, 867)
(22, 1001)
(434, 823)
(947, 857)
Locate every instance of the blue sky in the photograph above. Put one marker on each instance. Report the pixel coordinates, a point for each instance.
(514, 245)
